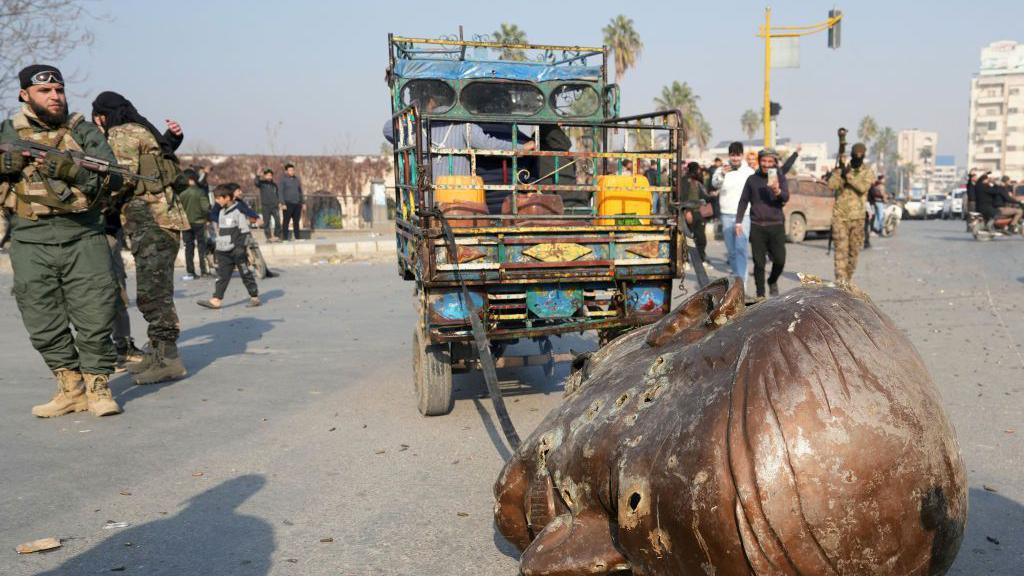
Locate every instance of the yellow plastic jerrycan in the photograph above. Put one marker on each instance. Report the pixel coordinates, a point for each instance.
(622, 194)
(457, 188)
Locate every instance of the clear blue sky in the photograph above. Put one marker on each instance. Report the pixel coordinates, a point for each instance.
(227, 69)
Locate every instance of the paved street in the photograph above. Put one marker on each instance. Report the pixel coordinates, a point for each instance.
(295, 447)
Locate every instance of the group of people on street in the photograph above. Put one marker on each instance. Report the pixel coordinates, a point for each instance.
(748, 194)
(68, 222)
(993, 199)
(280, 203)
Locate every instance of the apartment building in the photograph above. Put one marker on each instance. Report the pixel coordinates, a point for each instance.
(996, 132)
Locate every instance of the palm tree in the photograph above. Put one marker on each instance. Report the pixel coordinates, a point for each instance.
(750, 121)
(622, 39)
(512, 35)
(925, 154)
(884, 149)
(702, 135)
(681, 97)
(867, 130)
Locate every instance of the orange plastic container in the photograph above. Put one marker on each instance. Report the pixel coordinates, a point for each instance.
(448, 189)
(622, 194)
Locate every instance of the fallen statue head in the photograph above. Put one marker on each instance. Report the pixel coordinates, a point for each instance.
(799, 436)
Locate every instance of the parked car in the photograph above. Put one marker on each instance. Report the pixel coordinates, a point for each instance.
(809, 208)
(913, 208)
(953, 207)
(933, 205)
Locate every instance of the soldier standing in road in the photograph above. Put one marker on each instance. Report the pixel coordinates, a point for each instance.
(61, 262)
(851, 184)
(153, 221)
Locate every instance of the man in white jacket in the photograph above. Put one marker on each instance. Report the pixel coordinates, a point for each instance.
(729, 181)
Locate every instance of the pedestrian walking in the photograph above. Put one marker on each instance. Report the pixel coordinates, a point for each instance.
(766, 193)
(729, 181)
(60, 257)
(233, 233)
(878, 197)
(290, 189)
(153, 220)
(270, 204)
(694, 196)
(851, 184)
(196, 204)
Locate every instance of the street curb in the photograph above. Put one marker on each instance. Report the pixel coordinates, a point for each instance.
(290, 254)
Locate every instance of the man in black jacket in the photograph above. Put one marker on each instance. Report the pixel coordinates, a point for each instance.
(270, 205)
(766, 192)
(290, 190)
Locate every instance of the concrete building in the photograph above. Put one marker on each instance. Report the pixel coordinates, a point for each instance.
(911, 146)
(945, 175)
(996, 132)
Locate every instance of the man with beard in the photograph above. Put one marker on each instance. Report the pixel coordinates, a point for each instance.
(153, 220)
(61, 262)
(851, 185)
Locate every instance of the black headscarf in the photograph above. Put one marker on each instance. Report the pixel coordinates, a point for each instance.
(118, 110)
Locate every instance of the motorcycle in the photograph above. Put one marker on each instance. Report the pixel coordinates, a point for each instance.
(999, 226)
(891, 219)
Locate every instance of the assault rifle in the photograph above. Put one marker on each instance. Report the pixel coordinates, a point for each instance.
(841, 166)
(35, 151)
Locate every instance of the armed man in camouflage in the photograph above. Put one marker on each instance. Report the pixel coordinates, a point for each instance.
(153, 220)
(62, 273)
(850, 184)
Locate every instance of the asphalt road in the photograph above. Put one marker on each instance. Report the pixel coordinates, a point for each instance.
(294, 447)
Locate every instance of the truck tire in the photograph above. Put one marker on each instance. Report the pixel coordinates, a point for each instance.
(432, 375)
(797, 229)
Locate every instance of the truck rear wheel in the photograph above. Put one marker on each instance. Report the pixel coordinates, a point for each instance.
(432, 375)
(797, 229)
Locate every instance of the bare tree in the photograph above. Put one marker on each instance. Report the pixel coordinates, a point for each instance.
(34, 31)
(273, 130)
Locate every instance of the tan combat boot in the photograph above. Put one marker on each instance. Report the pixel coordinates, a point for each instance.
(97, 391)
(70, 395)
(165, 364)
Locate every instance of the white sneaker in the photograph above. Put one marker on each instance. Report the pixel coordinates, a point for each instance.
(188, 277)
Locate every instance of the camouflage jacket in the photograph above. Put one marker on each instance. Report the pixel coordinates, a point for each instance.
(851, 192)
(130, 142)
(64, 228)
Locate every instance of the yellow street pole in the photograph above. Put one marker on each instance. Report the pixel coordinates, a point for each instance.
(769, 139)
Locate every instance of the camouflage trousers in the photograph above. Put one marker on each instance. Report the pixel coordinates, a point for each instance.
(155, 250)
(847, 241)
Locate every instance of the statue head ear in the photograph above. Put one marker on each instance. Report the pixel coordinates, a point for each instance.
(705, 311)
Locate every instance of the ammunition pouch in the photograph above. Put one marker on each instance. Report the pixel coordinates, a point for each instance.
(34, 194)
(161, 195)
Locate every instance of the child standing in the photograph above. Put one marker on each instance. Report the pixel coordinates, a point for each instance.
(232, 234)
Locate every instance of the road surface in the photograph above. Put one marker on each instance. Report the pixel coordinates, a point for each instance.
(294, 447)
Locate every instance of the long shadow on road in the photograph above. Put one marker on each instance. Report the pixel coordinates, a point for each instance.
(208, 537)
(200, 346)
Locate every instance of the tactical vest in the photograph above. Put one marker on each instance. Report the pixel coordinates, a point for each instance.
(159, 195)
(36, 195)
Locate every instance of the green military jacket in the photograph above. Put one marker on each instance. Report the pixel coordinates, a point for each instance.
(851, 192)
(196, 203)
(63, 228)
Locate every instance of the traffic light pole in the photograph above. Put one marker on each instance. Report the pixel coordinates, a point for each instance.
(835, 16)
(769, 136)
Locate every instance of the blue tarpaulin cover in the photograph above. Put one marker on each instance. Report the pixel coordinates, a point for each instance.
(463, 70)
